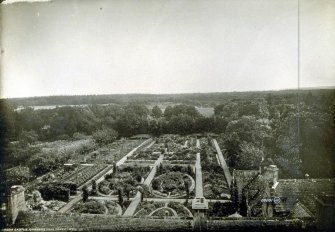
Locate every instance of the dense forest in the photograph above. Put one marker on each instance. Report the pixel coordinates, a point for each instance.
(296, 129)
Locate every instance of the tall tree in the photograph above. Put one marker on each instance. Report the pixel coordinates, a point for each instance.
(85, 193)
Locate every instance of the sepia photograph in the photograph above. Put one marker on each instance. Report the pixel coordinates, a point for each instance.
(167, 115)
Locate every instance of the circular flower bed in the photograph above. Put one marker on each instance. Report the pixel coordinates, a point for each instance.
(164, 212)
(172, 183)
(146, 207)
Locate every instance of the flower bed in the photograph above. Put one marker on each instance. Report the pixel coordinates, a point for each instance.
(146, 207)
(149, 154)
(112, 207)
(163, 212)
(171, 181)
(91, 207)
(126, 178)
(149, 208)
(181, 210)
(214, 183)
(84, 175)
(182, 154)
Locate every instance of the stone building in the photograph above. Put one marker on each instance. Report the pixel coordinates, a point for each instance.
(259, 194)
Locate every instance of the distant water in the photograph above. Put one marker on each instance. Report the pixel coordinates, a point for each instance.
(205, 111)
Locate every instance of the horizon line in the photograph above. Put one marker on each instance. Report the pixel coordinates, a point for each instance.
(181, 93)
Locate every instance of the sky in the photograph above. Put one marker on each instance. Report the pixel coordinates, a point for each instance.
(72, 47)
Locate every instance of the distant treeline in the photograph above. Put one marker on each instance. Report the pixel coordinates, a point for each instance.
(196, 99)
(251, 124)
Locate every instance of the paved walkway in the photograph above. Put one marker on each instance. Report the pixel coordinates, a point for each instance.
(198, 174)
(152, 143)
(69, 205)
(198, 143)
(121, 161)
(223, 163)
(198, 178)
(137, 199)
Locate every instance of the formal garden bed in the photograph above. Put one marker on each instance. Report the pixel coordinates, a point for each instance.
(214, 183)
(90, 207)
(182, 210)
(85, 174)
(148, 154)
(93, 206)
(161, 209)
(125, 179)
(146, 207)
(173, 181)
(183, 154)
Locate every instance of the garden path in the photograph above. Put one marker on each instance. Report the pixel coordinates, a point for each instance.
(198, 175)
(136, 200)
(223, 163)
(165, 200)
(124, 158)
(152, 143)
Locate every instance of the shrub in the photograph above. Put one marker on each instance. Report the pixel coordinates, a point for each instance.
(55, 192)
(92, 207)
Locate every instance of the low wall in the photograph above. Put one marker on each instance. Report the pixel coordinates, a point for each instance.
(90, 222)
(257, 225)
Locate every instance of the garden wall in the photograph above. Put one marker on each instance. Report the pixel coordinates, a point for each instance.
(257, 225)
(89, 222)
(99, 222)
